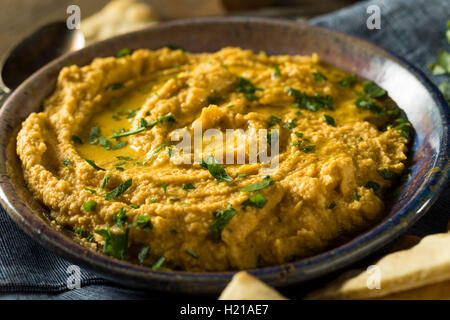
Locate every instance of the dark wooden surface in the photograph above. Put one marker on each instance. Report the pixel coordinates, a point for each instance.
(19, 18)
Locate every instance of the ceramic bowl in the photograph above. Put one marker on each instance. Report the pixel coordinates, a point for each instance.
(409, 88)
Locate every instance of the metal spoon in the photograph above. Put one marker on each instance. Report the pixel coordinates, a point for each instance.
(36, 50)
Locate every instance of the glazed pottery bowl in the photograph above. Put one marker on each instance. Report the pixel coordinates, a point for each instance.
(407, 86)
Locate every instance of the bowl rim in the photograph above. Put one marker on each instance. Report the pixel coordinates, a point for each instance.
(371, 240)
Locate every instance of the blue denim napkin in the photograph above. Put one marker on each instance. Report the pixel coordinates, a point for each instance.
(412, 29)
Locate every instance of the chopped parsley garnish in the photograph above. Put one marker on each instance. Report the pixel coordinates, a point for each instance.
(164, 186)
(372, 90)
(258, 185)
(76, 139)
(144, 222)
(276, 73)
(308, 149)
(105, 143)
(176, 47)
(127, 133)
(246, 87)
(367, 104)
(215, 100)
(124, 158)
(94, 134)
(348, 82)
(372, 185)
(188, 186)
(192, 253)
(318, 77)
(119, 190)
(299, 134)
(105, 181)
(81, 232)
(332, 205)
(223, 217)
(360, 139)
(120, 218)
(215, 169)
(134, 206)
(273, 121)
(90, 190)
(89, 206)
(115, 244)
(388, 175)
(329, 120)
(242, 175)
(257, 201)
(66, 162)
(311, 103)
(157, 265)
(174, 199)
(124, 52)
(290, 125)
(142, 254)
(93, 165)
(405, 128)
(117, 86)
(356, 196)
(120, 145)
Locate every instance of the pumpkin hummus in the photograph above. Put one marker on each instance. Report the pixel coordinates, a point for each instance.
(100, 157)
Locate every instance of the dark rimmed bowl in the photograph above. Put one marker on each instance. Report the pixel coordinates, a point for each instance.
(410, 89)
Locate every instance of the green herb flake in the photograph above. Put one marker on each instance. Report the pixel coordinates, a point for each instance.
(188, 186)
(117, 86)
(276, 73)
(356, 196)
(93, 165)
(66, 162)
(367, 104)
(192, 253)
(246, 87)
(124, 158)
(388, 175)
(153, 200)
(216, 170)
(123, 53)
(164, 186)
(258, 186)
(119, 190)
(348, 81)
(329, 120)
(105, 143)
(215, 100)
(120, 218)
(94, 134)
(142, 254)
(257, 201)
(318, 77)
(157, 265)
(89, 206)
(332, 205)
(223, 217)
(105, 181)
(308, 149)
(372, 90)
(81, 232)
(372, 185)
(312, 103)
(134, 206)
(273, 121)
(115, 244)
(120, 145)
(76, 139)
(144, 222)
(90, 190)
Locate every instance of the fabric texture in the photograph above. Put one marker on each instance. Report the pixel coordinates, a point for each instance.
(412, 29)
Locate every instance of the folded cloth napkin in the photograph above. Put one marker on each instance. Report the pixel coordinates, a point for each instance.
(412, 29)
